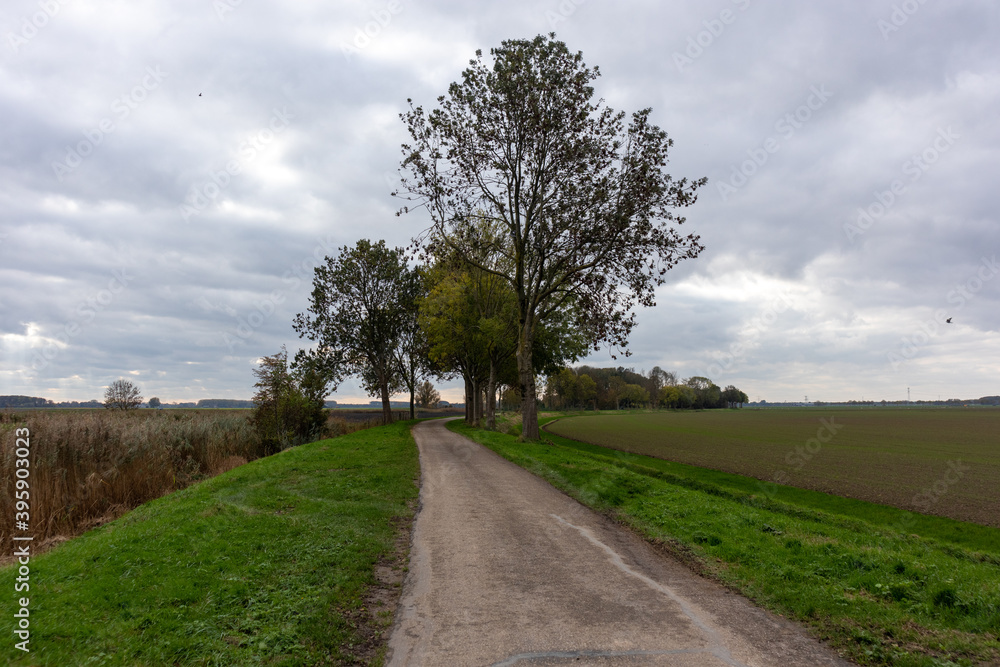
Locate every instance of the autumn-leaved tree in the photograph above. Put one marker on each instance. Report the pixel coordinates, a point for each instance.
(584, 210)
(456, 343)
(471, 327)
(359, 313)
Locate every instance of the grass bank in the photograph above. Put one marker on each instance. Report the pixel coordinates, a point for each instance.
(881, 592)
(268, 563)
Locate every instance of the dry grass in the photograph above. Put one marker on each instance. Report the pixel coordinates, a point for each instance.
(90, 467)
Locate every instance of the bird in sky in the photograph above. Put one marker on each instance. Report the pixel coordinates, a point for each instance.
(948, 320)
(199, 94)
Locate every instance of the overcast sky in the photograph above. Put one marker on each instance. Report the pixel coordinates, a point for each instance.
(852, 151)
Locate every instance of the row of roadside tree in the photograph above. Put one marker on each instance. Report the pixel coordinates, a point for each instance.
(552, 219)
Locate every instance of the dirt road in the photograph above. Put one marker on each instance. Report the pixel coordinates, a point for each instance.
(506, 570)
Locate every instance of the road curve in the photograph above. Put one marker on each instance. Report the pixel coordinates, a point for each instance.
(506, 570)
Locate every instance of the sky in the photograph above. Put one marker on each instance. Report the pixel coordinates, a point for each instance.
(172, 172)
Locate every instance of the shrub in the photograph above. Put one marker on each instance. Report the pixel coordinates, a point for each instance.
(285, 415)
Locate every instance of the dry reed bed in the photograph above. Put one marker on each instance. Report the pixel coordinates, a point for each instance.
(90, 467)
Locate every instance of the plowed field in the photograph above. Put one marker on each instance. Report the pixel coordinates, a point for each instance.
(944, 462)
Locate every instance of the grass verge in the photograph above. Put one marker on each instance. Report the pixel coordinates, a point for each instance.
(270, 563)
(880, 595)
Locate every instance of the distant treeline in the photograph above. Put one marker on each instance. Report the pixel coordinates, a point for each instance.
(223, 403)
(616, 388)
(35, 402)
(984, 400)
(28, 402)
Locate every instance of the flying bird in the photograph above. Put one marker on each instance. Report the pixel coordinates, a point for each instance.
(948, 320)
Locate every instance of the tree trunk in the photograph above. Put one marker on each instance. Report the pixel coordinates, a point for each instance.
(526, 378)
(469, 407)
(412, 413)
(386, 408)
(477, 402)
(491, 396)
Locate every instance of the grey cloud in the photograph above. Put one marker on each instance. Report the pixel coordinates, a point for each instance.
(324, 181)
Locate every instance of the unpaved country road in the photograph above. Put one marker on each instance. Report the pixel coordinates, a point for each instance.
(506, 570)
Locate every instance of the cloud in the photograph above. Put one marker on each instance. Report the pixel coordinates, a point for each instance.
(114, 99)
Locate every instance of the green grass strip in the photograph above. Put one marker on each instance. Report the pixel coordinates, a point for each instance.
(881, 595)
(970, 536)
(265, 564)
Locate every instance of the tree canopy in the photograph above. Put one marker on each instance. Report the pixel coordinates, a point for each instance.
(581, 210)
(122, 395)
(360, 314)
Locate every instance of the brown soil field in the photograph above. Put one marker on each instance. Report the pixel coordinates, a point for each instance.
(944, 462)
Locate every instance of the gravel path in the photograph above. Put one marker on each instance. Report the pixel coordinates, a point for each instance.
(506, 570)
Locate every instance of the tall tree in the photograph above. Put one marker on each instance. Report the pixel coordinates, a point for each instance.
(659, 378)
(586, 389)
(494, 312)
(358, 313)
(412, 352)
(427, 395)
(585, 208)
(449, 319)
(565, 385)
(733, 397)
(122, 395)
(635, 395)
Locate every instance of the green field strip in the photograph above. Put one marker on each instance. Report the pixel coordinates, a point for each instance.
(970, 536)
